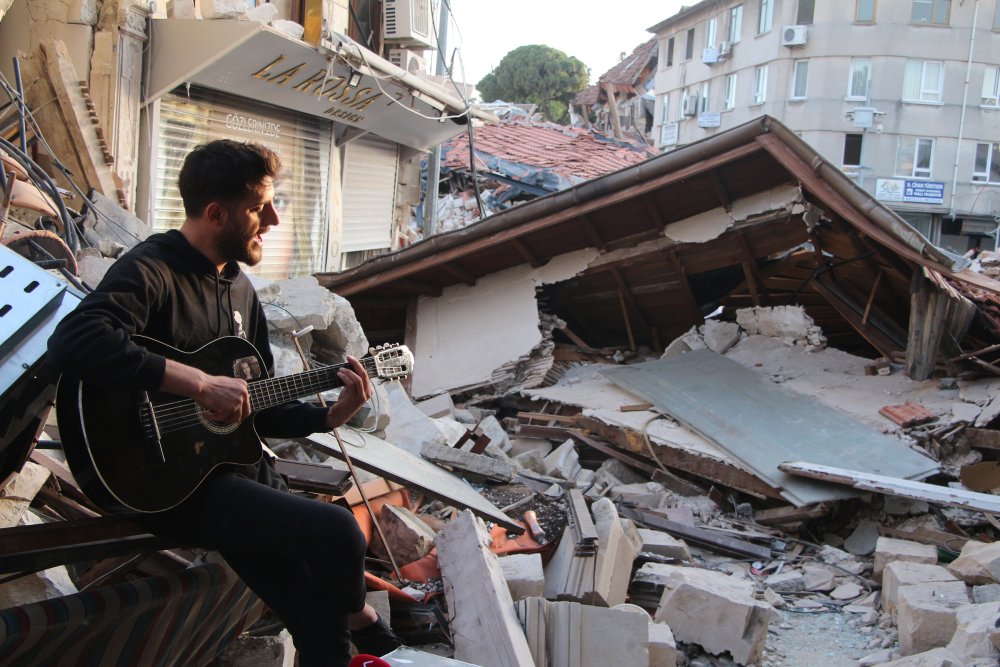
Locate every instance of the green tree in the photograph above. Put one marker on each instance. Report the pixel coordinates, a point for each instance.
(537, 74)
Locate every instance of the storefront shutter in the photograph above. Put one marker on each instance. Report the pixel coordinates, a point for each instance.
(297, 246)
(369, 193)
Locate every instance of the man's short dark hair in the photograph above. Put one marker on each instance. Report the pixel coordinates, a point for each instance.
(224, 171)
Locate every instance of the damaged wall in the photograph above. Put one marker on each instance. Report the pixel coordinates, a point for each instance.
(486, 325)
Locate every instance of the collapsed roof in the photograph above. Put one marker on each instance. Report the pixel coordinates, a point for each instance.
(750, 216)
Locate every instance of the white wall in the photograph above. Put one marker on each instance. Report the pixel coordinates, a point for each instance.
(485, 326)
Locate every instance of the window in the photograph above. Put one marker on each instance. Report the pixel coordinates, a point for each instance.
(864, 11)
(735, 23)
(665, 108)
(805, 13)
(857, 84)
(670, 52)
(760, 84)
(987, 166)
(923, 80)
(703, 103)
(934, 12)
(852, 150)
(730, 102)
(689, 45)
(991, 86)
(800, 79)
(713, 25)
(913, 157)
(766, 17)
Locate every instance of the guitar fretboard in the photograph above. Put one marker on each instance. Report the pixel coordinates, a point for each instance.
(275, 391)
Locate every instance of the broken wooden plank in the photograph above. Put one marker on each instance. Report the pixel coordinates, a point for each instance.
(762, 424)
(894, 486)
(938, 538)
(780, 516)
(698, 536)
(983, 438)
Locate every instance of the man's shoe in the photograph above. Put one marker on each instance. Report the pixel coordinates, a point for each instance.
(375, 639)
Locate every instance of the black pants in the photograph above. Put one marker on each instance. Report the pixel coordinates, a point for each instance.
(304, 558)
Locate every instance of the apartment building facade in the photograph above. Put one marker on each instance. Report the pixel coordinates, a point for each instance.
(903, 95)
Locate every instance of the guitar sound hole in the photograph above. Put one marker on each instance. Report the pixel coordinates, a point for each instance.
(216, 427)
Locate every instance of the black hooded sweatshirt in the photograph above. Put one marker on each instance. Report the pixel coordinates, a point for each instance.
(166, 289)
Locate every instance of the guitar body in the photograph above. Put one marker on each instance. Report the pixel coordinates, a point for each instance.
(125, 459)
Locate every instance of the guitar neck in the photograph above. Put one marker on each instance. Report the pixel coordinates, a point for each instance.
(275, 391)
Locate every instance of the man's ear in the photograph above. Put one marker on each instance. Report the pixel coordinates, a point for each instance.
(215, 213)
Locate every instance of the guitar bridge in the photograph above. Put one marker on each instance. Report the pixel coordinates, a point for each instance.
(150, 426)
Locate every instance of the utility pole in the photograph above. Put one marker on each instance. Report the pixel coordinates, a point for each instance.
(434, 159)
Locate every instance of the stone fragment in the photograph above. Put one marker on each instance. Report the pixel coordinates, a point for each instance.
(846, 591)
(902, 573)
(719, 336)
(223, 9)
(409, 538)
(979, 563)
(986, 593)
(976, 633)
(524, 575)
(621, 472)
(864, 538)
(409, 428)
(818, 577)
(664, 544)
(437, 406)
(773, 598)
(530, 460)
(714, 610)
(520, 445)
(342, 335)
(876, 658)
(926, 614)
(938, 657)
(563, 462)
(789, 581)
(249, 651)
(649, 494)
(790, 323)
(492, 428)
(662, 646)
(478, 597)
(900, 506)
(889, 549)
(477, 464)
(615, 554)
(262, 13)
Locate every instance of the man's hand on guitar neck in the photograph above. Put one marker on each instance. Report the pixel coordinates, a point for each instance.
(356, 392)
(225, 400)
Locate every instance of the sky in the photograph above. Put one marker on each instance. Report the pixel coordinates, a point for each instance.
(595, 32)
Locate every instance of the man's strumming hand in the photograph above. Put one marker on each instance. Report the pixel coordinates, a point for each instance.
(356, 392)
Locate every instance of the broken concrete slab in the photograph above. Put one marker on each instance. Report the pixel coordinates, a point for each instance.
(720, 337)
(889, 549)
(976, 632)
(664, 544)
(899, 574)
(790, 323)
(648, 494)
(520, 444)
(789, 581)
(818, 577)
(714, 610)
(563, 462)
(437, 406)
(408, 536)
(524, 575)
(569, 576)
(662, 646)
(926, 614)
(615, 554)
(409, 428)
(484, 626)
(494, 430)
(476, 464)
(978, 563)
(863, 540)
(530, 460)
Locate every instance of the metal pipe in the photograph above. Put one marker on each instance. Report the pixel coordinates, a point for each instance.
(961, 122)
(20, 116)
(434, 159)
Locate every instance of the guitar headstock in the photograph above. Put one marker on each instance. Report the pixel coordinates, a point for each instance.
(392, 362)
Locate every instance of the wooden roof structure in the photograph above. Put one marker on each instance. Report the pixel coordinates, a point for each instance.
(850, 261)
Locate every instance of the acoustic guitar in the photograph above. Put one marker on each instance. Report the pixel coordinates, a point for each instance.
(147, 451)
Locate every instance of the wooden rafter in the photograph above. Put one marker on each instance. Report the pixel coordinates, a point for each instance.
(678, 267)
(459, 273)
(749, 262)
(653, 210)
(628, 301)
(720, 190)
(417, 287)
(592, 233)
(525, 252)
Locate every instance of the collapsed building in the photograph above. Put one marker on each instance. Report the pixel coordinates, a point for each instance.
(600, 453)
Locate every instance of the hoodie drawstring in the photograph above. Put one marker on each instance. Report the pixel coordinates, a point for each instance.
(218, 308)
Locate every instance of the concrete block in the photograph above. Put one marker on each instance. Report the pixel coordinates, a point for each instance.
(663, 544)
(650, 494)
(622, 472)
(788, 322)
(898, 574)
(267, 651)
(979, 563)
(477, 464)
(342, 335)
(939, 657)
(719, 336)
(531, 460)
(520, 445)
(408, 536)
(568, 576)
(580, 635)
(223, 9)
(817, 577)
(437, 406)
(615, 554)
(986, 593)
(409, 428)
(484, 625)
(524, 575)
(662, 647)
(714, 610)
(789, 581)
(563, 462)
(888, 550)
(492, 427)
(864, 538)
(976, 633)
(926, 614)
(296, 303)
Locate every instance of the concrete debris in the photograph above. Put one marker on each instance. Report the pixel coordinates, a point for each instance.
(926, 614)
(474, 464)
(615, 553)
(648, 494)
(789, 581)
(976, 634)
(663, 544)
(662, 646)
(268, 650)
(863, 540)
(409, 538)
(938, 657)
(979, 563)
(563, 462)
(900, 574)
(846, 591)
(524, 575)
(889, 550)
(789, 323)
(222, 9)
(818, 577)
(409, 428)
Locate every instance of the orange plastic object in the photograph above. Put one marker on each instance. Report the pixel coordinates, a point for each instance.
(423, 569)
(374, 583)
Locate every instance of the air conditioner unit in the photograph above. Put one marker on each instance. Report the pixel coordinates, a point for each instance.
(794, 35)
(405, 59)
(710, 56)
(690, 106)
(409, 22)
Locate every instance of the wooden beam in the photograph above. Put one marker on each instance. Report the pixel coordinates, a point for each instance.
(720, 190)
(871, 298)
(592, 233)
(929, 307)
(878, 339)
(698, 536)
(525, 252)
(460, 273)
(417, 287)
(654, 212)
(616, 124)
(625, 292)
(678, 268)
(344, 285)
(749, 262)
(628, 320)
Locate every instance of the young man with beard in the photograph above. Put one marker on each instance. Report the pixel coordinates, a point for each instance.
(304, 558)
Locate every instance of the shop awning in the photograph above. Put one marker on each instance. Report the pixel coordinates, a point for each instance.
(351, 86)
